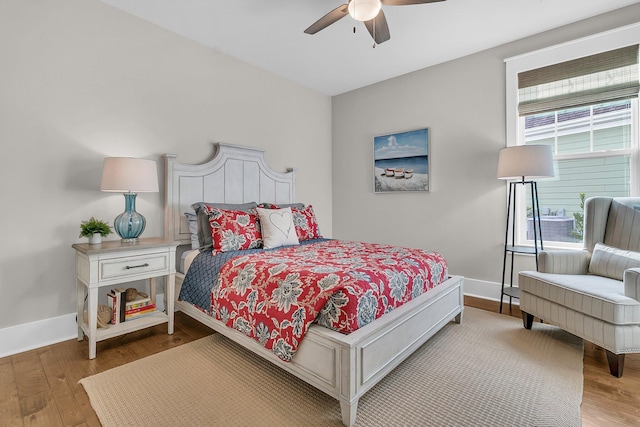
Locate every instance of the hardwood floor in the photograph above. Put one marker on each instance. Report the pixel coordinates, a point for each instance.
(40, 387)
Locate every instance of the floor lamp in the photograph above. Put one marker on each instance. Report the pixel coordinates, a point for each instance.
(521, 164)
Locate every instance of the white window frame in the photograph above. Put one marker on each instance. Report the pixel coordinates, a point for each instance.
(587, 46)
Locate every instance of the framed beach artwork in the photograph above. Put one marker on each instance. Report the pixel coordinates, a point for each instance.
(401, 161)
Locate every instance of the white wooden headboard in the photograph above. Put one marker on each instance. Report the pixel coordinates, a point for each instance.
(234, 174)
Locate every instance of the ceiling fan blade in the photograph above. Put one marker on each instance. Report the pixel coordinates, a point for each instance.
(378, 28)
(407, 2)
(328, 19)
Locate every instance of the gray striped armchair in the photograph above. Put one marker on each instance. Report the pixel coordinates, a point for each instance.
(593, 293)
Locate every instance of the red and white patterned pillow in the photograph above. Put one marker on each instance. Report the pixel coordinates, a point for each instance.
(233, 230)
(304, 219)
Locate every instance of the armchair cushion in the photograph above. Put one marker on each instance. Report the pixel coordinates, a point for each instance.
(612, 262)
(564, 261)
(632, 283)
(595, 296)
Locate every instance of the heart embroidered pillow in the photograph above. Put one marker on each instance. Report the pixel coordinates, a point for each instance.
(277, 227)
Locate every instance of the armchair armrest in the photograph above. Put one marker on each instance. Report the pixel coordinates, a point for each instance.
(632, 283)
(564, 261)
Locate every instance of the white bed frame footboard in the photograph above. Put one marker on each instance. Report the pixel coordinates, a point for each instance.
(346, 366)
(343, 366)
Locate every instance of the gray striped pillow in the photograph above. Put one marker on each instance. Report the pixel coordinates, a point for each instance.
(611, 262)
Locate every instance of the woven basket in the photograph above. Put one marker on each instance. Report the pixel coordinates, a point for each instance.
(104, 316)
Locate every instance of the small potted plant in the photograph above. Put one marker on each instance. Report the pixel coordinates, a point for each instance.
(95, 230)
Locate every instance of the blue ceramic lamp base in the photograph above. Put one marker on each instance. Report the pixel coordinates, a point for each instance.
(130, 224)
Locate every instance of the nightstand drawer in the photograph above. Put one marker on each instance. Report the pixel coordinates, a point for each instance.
(133, 266)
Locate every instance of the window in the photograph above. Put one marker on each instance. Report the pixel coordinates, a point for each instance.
(586, 109)
(593, 150)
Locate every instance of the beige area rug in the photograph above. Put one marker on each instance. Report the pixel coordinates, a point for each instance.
(487, 371)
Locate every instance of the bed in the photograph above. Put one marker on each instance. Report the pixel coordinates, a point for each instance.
(345, 366)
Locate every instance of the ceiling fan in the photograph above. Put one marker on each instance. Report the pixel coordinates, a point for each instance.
(368, 11)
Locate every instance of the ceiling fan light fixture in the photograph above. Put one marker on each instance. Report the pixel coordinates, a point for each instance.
(364, 10)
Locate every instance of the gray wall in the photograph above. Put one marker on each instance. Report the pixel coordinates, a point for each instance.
(79, 81)
(463, 104)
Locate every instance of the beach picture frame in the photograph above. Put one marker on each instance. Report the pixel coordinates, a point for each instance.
(401, 161)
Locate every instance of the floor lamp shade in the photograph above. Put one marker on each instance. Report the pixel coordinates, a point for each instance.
(129, 176)
(525, 161)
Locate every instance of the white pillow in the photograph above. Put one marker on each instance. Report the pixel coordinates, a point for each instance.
(611, 262)
(277, 227)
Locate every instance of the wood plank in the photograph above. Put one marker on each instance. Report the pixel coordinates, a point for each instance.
(9, 402)
(608, 400)
(40, 409)
(191, 327)
(84, 405)
(73, 359)
(61, 390)
(29, 375)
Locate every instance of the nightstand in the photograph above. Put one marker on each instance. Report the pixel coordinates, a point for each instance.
(114, 263)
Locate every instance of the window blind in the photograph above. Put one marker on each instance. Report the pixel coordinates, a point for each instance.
(603, 77)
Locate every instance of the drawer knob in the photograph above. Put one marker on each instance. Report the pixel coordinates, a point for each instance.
(129, 267)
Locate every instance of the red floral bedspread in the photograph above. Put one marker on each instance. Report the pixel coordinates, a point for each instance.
(274, 296)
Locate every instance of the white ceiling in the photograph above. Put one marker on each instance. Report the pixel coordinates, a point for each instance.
(269, 34)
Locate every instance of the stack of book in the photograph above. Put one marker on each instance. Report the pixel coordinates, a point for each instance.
(139, 307)
(123, 310)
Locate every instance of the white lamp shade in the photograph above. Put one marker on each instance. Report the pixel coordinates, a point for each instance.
(129, 175)
(364, 10)
(525, 161)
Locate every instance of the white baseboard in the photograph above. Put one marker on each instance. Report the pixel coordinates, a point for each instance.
(485, 290)
(482, 289)
(28, 336)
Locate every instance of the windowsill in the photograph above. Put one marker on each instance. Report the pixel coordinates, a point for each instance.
(554, 245)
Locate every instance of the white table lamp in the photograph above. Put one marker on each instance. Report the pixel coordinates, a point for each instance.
(129, 176)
